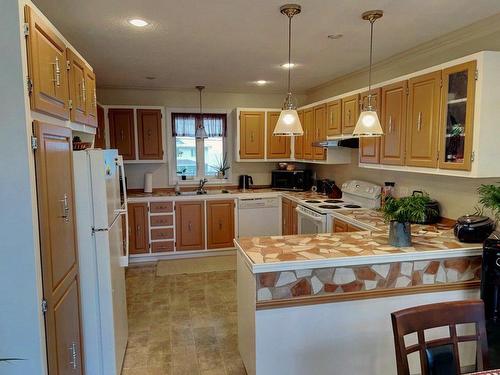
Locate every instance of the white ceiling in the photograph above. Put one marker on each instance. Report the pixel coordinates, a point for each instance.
(228, 44)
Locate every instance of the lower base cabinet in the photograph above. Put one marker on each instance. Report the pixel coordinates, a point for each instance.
(190, 225)
(138, 228)
(289, 219)
(220, 224)
(342, 226)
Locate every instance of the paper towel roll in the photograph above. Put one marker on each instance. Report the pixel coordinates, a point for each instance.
(148, 182)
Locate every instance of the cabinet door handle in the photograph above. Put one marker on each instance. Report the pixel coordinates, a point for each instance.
(65, 208)
(349, 115)
(57, 72)
(138, 229)
(190, 226)
(149, 133)
(95, 99)
(84, 91)
(390, 124)
(220, 224)
(121, 134)
(419, 121)
(73, 356)
(251, 136)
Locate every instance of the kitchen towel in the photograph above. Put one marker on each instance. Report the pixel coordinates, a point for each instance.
(148, 182)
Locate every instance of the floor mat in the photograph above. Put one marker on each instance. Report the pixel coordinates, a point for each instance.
(196, 265)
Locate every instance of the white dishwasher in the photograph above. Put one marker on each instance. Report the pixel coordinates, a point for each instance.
(259, 217)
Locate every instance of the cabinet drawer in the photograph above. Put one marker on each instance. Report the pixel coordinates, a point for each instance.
(162, 220)
(162, 234)
(161, 207)
(160, 247)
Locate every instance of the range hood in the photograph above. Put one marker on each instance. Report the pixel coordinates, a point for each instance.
(341, 141)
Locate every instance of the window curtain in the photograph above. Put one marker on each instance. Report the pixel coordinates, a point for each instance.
(184, 124)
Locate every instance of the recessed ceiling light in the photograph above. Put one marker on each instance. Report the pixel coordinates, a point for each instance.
(261, 82)
(138, 22)
(288, 65)
(335, 36)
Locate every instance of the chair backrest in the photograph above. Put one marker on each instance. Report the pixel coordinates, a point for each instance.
(420, 318)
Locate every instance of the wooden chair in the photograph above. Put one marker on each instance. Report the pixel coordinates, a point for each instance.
(420, 318)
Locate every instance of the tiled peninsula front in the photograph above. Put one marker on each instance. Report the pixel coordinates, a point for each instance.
(324, 301)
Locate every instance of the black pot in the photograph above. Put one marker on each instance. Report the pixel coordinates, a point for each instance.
(473, 228)
(433, 212)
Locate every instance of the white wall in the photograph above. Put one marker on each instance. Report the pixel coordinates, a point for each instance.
(261, 172)
(21, 325)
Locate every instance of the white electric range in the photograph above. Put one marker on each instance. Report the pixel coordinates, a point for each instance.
(313, 214)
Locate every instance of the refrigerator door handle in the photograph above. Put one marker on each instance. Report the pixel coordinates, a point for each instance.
(124, 211)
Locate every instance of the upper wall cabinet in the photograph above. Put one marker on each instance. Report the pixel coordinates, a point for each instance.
(459, 87)
(299, 141)
(350, 113)
(334, 118)
(46, 68)
(121, 131)
(393, 121)
(369, 147)
(91, 92)
(422, 128)
(308, 127)
(77, 87)
(150, 134)
(318, 153)
(252, 134)
(100, 132)
(278, 147)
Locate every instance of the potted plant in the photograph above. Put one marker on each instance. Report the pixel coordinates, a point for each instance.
(489, 198)
(182, 173)
(400, 213)
(221, 166)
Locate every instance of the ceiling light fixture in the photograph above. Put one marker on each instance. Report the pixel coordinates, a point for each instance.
(261, 82)
(368, 124)
(138, 22)
(200, 132)
(288, 65)
(289, 123)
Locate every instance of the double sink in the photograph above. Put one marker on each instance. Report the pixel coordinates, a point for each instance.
(205, 192)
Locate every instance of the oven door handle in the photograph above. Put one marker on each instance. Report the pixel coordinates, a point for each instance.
(300, 212)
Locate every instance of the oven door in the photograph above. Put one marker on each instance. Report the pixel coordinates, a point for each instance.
(310, 222)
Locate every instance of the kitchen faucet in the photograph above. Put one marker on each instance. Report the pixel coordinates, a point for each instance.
(201, 186)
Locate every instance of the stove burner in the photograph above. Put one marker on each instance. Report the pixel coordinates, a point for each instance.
(313, 201)
(352, 206)
(329, 206)
(333, 201)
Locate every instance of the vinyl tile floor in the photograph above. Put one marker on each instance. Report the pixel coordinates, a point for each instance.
(181, 324)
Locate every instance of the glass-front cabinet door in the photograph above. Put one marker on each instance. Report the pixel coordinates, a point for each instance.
(459, 85)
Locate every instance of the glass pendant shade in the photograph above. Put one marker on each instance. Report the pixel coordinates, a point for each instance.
(368, 125)
(288, 123)
(200, 132)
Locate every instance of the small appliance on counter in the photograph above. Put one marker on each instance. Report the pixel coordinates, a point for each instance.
(245, 182)
(328, 187)
(433, 212)
(296, 180)
(473, 228)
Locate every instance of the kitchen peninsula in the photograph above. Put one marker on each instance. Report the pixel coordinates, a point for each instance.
(324, 301)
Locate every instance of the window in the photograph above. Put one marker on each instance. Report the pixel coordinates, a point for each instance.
(198, 157)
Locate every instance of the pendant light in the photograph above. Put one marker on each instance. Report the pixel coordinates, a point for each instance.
(368, 124)
(288, 123)
(200, 132)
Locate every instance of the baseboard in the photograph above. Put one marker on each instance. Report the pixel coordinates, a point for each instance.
(136, 259)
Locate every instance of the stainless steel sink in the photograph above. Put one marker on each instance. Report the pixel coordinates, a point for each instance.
(207, 192)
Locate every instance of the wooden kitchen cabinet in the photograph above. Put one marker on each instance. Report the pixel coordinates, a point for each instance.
(190, 225)
(353, 228)
(457, 119)
(422, 128)
(339, 226)
(308, 127)
(252, 135)
(121, 131)
(100, 136)
(77, 87)
(350, 113)
(294, 219)
(334, 118)
(220, 224)
(319, 131)
(299, 140)
(369, 147)
(46, 68)
(278, 147)
(138, 228)
(91, 101)
(149, 132)
(289, 217)
(393, 121)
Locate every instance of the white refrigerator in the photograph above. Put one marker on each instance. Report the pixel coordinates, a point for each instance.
(100, 200)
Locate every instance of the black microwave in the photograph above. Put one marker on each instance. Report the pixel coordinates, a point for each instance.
(292, 180)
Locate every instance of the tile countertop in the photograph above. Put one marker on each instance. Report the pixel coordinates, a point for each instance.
(280, 253)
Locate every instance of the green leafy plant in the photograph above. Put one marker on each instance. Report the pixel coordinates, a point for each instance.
(221, 165)
(182, 171)
(456, 130)
(489, 198)
(407, 209)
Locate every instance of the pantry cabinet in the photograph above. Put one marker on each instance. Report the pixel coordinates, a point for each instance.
(318, 153)
(278, 147)
(47, 72)
(393, 121)
(138, 228)
(308, 127)
(422, 128)
(149, 132)
(350, 113)
(369, 147)
(121, 131)
(457, 120)
(190, 225)
(220, 224)
(299, 140)
(334, 118)
(252, 134)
